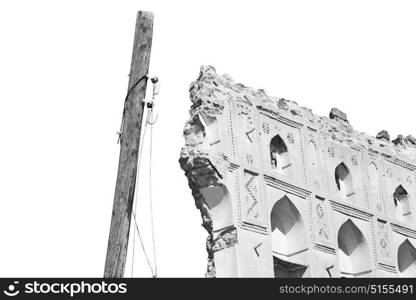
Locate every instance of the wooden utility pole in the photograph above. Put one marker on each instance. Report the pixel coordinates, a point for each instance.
(129, 149)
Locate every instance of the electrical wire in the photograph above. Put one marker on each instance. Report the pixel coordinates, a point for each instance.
(135, 199)
(150, 122)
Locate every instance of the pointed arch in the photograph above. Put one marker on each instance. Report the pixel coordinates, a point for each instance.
(286, 269)
(406, 259)
(279, 155)
(220, 208)
(289, 239)
(211, 129)
(343, 180)
(354, 254)
(402, 204)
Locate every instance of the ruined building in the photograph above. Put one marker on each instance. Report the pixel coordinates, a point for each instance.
(285, 193)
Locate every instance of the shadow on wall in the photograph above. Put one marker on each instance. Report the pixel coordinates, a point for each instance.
(354, 254)
(211, 129)
(289, 240)
(344, 182)
(406, 258)
(279, 155)
(401, 202)
(219, 204)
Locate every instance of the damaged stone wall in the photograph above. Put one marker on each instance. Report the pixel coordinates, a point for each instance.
(286, 193)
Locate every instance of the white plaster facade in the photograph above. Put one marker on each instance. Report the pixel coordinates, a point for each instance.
(285, 193)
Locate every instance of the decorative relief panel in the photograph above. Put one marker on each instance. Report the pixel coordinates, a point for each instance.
(322, 222)
(383, 247)
(252, 216)
(266, 128)
(313, 162)
(251, 197)
(354, 160)
(248, 135)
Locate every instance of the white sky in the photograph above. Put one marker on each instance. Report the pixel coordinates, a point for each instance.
(63, 75)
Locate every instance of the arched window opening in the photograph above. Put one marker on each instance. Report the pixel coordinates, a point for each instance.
(210, 124)
(289, 239)
(219, 203)
(343, 179)
(406, 259)
(279, 155)
(402, 204)
(354, 255)
(285, 269)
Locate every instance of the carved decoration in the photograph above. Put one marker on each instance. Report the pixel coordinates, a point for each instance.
(251, 195)
(331, 152)
(354, 160)
(266, 128)
(291, 138)
(322, 222)
(383, 240)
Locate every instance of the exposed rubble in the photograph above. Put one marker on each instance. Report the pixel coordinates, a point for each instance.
(383, 135)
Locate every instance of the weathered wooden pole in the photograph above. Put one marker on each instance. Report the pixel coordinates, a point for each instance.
(129, 149)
